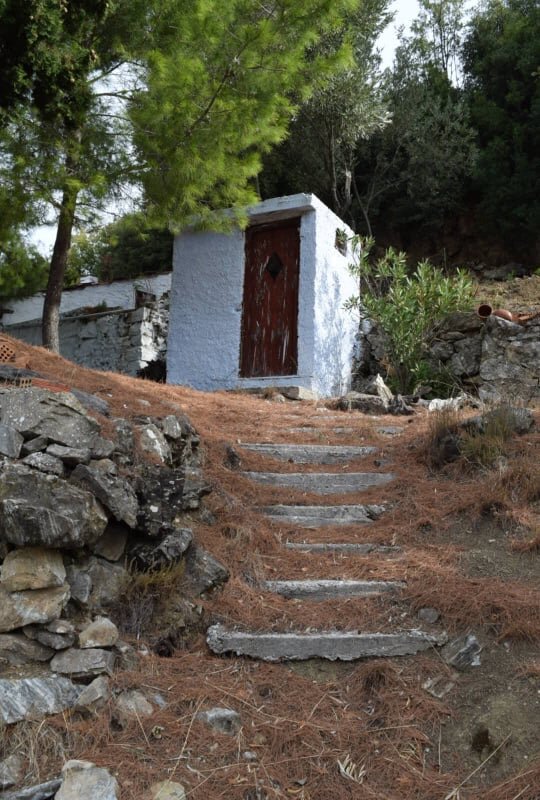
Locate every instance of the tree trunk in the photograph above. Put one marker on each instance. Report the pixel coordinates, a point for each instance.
(51, 307)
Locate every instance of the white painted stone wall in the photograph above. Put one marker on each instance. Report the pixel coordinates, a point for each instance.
(118, 294)
(207, 296)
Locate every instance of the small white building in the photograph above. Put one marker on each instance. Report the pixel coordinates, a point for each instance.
(265, 306)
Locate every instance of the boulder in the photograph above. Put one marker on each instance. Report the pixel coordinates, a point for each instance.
(134, 703)
(82, 780)
(32, 568)
(108, 582)
(70, 456)
(112, 544)
(100, 633)
(43, 510)
(223, 720)
(21, 698)
(170, 550)
(152, 441)
(43, 791)
(10, 442)
(83, 663)
(16, 649)
(167, 790)
(57, 415)
(203, 571)
(18, 609)
(115, 493)
(45, 463)
(95, 695)
(11, 771)
(367, 403)
(36, 445)
(58, 634)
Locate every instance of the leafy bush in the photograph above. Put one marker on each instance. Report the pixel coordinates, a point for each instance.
(406, 305)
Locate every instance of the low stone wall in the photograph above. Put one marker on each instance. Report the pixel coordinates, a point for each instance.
(495, 359)
(115, 341)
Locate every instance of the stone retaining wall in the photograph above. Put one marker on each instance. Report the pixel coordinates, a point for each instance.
(115, 341)
(495, 358)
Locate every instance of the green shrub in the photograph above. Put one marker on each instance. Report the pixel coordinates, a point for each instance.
(406, 305)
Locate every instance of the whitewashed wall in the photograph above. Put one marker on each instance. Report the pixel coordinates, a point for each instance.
(207, 295)
(118, 294)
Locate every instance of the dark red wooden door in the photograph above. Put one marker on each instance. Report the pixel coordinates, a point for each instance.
(270, 311)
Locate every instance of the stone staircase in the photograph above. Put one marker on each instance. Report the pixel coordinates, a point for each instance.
(327, 644)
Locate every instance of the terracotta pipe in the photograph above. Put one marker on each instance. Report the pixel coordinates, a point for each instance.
(485, 310)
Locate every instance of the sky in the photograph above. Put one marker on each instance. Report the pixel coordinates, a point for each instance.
(404, 12)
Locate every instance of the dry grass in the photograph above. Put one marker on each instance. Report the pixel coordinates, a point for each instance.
(374, 713)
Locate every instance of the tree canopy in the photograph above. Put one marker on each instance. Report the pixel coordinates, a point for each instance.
(177, 97)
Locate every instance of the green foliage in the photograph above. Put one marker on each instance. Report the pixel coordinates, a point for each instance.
(220, 95)
(126, 248)
(502, 57)
(319, 153)
(406, 305)
(23, 271)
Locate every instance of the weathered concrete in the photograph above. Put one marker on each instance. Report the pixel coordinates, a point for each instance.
(329, 589)
(310, 453)
(321, 516)
(341, 547)
(322, 482)
(331, 645)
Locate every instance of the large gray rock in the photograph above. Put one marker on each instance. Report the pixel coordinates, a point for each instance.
(83, 663)
(10, 442)
(18, 609)
(16, 649)
(164, 493)
(510, 366)
(366, 403)
(224, 720)
(203, 571)
(32, 568)
(56, 415)
(100, 633)
(70, 456)
(112, 544)
(152, 441)
(58, 634)
(108, 582)
(43, 510)
(95, 695)
(115, 493)
(166, 790)
(170, 550)
(45, 463)
(29, 697)
(11, 771)
(134, 703)
(43, 791)
(82, 780)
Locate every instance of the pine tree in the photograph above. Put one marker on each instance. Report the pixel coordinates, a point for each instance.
(180, 96)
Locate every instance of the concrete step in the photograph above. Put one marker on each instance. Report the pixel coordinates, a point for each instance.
(321, 516)
(310, 453)
(330, 645)
(349, 548)
(329, 589)
(322, 482)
